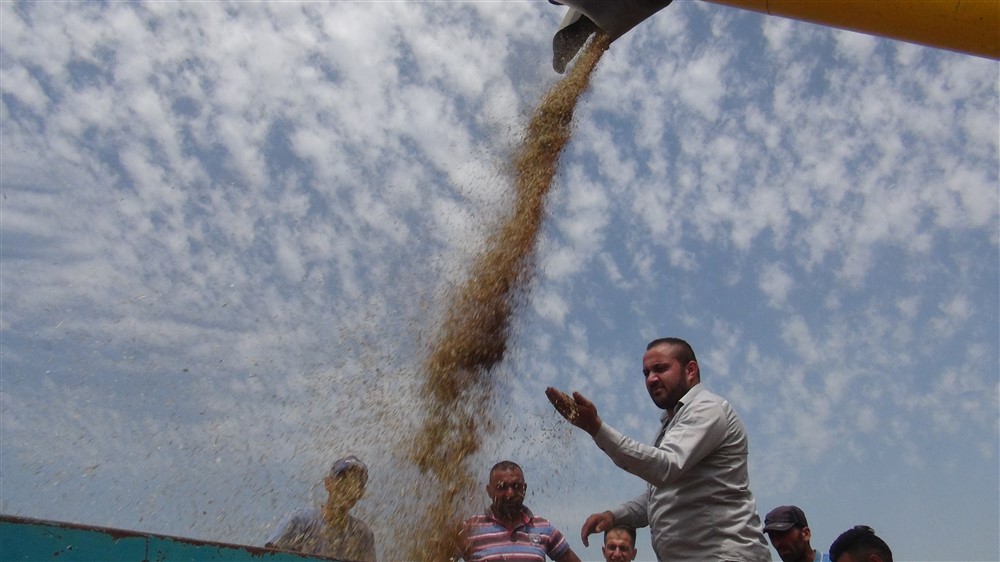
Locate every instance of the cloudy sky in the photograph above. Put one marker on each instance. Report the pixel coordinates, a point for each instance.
(228, 230)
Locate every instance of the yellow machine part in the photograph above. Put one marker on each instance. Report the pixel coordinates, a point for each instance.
(966, 26)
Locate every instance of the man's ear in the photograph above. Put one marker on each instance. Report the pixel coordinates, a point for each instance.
(691, 371)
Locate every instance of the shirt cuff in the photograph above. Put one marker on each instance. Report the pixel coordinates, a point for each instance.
(607, 438)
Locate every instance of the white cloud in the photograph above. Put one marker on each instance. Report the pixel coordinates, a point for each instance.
(778, 32)
(856, 47)
(699, 84)
(551, 307)
(775, 283)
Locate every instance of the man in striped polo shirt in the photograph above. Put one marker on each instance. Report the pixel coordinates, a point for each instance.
(507, 530)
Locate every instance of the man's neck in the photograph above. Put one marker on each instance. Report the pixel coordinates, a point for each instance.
(809, 555)
(334, 515)
(509, 519)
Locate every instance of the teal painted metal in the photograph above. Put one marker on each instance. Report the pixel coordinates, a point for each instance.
(35, 540)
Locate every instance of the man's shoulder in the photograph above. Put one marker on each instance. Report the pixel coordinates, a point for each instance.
(358, 522)
(479, 518)
(359, 527)
(708, 409)
(302, 521)
(537, 521)
(703, 399)
(480, 523)
(701, 393)
(305, 515)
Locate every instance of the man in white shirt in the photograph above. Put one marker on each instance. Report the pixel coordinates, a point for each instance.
(697, 503)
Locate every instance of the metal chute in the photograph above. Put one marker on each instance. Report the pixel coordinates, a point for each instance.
(965, 26)
(614, 17)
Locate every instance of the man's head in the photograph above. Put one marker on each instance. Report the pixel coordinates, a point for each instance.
(345, 484)
(789, 532)
(860, 544)
(671, 369)
(619, 544)
(506, 489)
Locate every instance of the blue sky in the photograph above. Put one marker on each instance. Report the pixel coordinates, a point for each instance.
(228, 229)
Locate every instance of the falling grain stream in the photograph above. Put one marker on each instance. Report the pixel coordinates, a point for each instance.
(473, 336)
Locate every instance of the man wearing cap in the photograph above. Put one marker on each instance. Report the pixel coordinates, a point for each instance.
(330, 530)
(789, 532)
(508, 530)
(860, 544)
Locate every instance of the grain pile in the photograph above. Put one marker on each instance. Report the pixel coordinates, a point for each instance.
(473, 336)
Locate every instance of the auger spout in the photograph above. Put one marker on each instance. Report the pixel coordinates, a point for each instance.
(965, 26)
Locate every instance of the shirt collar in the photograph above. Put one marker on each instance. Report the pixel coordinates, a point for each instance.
(690, 394)
(686, 399)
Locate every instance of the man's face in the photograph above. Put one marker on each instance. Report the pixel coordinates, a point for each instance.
(345, 489)
(792, 545)
(618, 547)
(667, 380)
(506, 490)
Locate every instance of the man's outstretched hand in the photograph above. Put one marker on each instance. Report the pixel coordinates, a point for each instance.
(596, 523)
(576, 409)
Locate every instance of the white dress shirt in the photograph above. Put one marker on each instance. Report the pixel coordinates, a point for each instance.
(698, 503)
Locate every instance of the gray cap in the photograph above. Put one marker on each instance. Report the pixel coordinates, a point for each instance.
(346, 463)
(783, 518)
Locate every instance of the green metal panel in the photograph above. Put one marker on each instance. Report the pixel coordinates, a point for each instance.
(34, 540)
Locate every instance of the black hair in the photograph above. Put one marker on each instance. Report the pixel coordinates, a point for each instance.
(505, 465)
(628, 529)
(685, 354)
(860, 542)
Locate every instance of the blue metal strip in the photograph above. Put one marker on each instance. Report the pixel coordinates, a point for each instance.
(35, 540)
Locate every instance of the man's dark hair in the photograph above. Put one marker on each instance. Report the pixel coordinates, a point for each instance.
(684, 352)
(505, 465)
(860, 542)
(626, 528)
